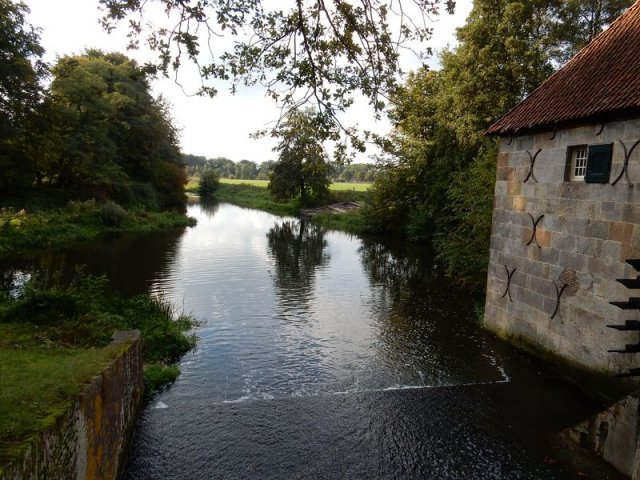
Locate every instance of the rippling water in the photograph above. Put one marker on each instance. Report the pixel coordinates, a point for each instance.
(292, 310)
(324, 355)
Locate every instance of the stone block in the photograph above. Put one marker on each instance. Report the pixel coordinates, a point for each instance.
(541, 286)
(564, 242)
(631, 131)
(611, 251)
(523, 143)
(504, 173)
(514, 187)
(519, 204)
(503, 159)
(620, 232)
(596, 228)
(631, 213)
(543, 237)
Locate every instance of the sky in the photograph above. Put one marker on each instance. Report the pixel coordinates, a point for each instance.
(218, 127)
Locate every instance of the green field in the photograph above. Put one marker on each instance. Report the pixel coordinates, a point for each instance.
(338, 187)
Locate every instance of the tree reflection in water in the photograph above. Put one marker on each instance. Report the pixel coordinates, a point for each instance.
(111, 255)
(298, 250)
(209, 206)
(421, 315)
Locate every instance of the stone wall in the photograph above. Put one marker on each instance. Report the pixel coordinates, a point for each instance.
(587, 233)
(89, 440)
(612, 435)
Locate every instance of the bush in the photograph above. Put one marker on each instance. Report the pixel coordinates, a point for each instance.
(85, 314)
(209, 182)
(112, 214)
(157, 376)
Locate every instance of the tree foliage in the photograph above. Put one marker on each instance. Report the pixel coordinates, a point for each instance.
(21, 70)
(107, 136)
(307, 51)
(303, 167)
(579, 21)
(209, 182)
(437, 184)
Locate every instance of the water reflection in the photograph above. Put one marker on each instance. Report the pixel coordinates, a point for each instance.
(427, 333)
(209, 206)
(130, 262)
(298, 249)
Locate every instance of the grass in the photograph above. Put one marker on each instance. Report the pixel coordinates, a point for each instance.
(252, 196)
(238, 181)
(78, 221)
(39, 384)
(350, 186)
(55, 338)
(336, 187)
(351, 222)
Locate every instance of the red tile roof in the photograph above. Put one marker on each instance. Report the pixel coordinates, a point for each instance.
(601, 83)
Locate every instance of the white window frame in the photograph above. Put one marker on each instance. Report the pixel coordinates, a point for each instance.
(578, 157)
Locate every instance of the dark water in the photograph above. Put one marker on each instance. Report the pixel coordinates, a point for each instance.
(324, 355)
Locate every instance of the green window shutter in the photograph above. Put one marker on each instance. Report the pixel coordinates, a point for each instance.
(599, 163)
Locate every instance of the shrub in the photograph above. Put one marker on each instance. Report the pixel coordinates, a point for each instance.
(112, 214)
(209, 182)
(157, 376)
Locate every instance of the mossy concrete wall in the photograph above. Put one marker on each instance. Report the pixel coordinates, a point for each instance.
(89, 440)
(585, 234)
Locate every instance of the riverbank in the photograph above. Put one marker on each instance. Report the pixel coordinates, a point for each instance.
(54, 339)
(25, 228)
(254, 194)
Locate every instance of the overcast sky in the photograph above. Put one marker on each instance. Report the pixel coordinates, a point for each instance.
(218, 127)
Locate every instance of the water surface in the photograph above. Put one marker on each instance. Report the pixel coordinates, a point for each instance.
(324, 355)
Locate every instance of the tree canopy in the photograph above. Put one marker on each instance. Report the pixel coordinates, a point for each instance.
(20, 91)
(303, 166)
(437, 184)
(108, 134)
(326, 53)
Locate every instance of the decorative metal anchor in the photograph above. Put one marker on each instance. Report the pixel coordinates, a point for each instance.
(559, 293)
(627, 156)
(509, 276)
(535, 229)
(532, 159)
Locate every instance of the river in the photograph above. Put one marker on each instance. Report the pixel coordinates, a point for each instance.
(322, 355)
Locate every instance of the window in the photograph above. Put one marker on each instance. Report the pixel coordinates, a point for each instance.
(578, 168)
(589, 163)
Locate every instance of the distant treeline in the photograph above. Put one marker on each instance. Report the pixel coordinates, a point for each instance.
(248, 170)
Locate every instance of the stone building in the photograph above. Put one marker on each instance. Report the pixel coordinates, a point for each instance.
(565, 238)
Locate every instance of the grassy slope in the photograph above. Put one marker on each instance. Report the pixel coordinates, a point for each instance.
(256, 195)
(74, 223)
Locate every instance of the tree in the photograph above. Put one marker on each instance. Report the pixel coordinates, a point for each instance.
(246, 169)
(579, 21)
(21, 71)
(209, 182)
(437, 184)
(313, 51)
(108, 137)
(303, 166)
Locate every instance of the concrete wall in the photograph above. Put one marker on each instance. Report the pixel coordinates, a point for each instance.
(587, 233)
(89, 439)
(612, 435)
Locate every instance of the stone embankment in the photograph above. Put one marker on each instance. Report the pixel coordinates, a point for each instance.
(89, 440)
